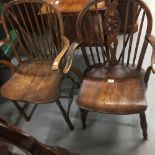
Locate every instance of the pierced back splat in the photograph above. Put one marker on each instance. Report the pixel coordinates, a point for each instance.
(111, 26)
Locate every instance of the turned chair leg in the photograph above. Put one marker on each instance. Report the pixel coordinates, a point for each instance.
(83, 113)
(143, 124)
(66, 117)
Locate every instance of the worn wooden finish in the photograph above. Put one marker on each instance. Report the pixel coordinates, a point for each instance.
(70, 10)
(37, 78)
(117, 90)
(35, 82)
(69, 6)
(28, 144)
(127, 38)
(39, 37)
(114, 81)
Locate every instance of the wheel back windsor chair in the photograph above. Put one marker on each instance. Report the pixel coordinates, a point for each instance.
(114, 81)
(37, 77)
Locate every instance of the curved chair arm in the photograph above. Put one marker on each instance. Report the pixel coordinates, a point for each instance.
(65, 41)
(151, 40)
(69, 56)
(8, 65)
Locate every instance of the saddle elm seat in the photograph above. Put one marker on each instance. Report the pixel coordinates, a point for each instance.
(34, 82)
(113, 89)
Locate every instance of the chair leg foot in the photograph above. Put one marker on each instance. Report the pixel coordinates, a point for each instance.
(66, 117)
(143, 124)
(83, 113)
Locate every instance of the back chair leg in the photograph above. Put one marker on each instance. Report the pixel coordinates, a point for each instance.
(66, 117)
(83, 113)
(70, 99)
(143, 124)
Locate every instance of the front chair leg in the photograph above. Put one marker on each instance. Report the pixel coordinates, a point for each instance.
(83, 113)
(22, 110)
(143, 124)
(66, 117)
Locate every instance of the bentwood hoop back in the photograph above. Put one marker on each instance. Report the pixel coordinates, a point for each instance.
(32, 28)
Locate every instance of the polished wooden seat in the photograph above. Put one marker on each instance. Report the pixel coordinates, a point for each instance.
(12, 135)
(34, 82)
(113, 89)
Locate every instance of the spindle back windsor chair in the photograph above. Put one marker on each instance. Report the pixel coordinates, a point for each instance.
(37, 77)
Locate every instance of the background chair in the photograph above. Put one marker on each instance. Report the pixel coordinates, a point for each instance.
(40, 57)
(6, 50)
(5, 47)
(114, 80)
(26, 143)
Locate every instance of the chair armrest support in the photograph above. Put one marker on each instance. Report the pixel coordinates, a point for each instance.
(65, 41)
(8, 65)
(69, 56)
(151, 40)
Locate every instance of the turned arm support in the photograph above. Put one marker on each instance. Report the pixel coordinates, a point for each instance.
(151, 40)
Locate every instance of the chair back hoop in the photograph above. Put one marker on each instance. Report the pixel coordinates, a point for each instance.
(107, 37)
(39, 33)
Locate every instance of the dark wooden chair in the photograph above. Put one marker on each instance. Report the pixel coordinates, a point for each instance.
(6, 50)
(41, 62)
(10, 134)
(114, 80)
